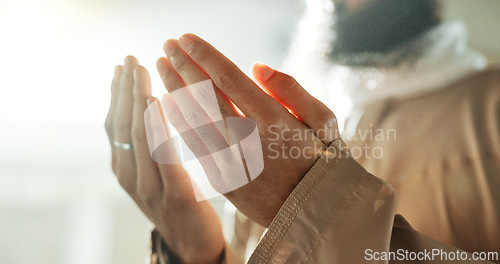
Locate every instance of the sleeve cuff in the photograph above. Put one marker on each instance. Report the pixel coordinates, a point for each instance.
(336, 201)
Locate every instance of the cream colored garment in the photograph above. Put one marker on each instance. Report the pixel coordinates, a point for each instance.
(444, 166)
(445, 163)
(433, 132)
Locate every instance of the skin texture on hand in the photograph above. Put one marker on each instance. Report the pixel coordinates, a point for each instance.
(164, 193)
(279, 106)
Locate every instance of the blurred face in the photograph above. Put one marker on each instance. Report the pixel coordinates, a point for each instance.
(379, 26)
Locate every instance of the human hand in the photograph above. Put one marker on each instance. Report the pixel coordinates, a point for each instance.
(288, 119)
(163, 192)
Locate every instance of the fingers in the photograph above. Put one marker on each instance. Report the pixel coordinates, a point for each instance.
(231, 81)
(191, 73)
(193, 140)
(293, 96)
(123, 116)
(198, 130)
(171, 79)
(160, 141)
(149, 182)
(215, 104)
(183, 65)
(122, 122)
(112, 106)
(193, 123)
(191, 113)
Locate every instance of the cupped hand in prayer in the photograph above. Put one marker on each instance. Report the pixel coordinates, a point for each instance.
(294, 127)
(163, 192)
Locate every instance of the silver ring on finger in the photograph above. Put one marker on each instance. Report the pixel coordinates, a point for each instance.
(125, 146)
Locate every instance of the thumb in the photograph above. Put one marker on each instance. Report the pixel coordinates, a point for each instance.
(293, 96)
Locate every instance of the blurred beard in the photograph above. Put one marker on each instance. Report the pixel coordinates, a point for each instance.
(381, 33)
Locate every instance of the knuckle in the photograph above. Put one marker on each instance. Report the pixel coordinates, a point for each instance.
(138, 133)
(227, 80)
(121, 125)
(199, 53)
(179, 63)
(293, 89)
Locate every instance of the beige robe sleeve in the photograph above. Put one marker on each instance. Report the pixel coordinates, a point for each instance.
(339, 213)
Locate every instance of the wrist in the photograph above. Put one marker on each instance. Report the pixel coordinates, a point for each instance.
(216, 257)
(182, 253)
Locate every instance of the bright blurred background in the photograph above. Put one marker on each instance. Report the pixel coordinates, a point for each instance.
(59, 201)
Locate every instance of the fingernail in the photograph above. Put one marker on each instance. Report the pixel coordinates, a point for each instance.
(186, 42)
(150, 100)
(265, 72)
